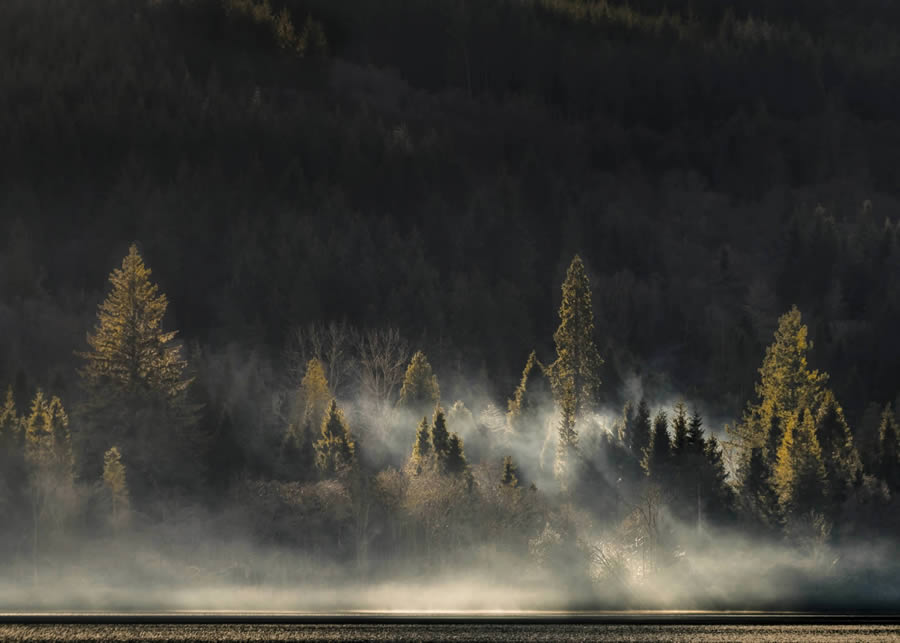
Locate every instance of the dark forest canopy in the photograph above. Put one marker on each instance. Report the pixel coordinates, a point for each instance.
(361, 215)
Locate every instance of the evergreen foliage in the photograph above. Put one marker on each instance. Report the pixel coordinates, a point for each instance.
(509, 478)
(136, 387)
(440, 440)
(657, 457)
(422, 451)
(420, 390)
(530, 397)
(335, 449)
(889, 450)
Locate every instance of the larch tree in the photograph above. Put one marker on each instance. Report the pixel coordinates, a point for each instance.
(800, 472)
(116, 484)
(335, 449)
(310, 405)
(12, 455)
(420, 390)
(136, 386)
(48, 453)
(785, 389)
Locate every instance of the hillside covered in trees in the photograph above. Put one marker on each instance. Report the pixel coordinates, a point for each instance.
(580, 290)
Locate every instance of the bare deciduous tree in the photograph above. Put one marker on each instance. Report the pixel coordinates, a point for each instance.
(383, 355)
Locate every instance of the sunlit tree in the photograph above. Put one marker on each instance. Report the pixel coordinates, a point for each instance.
(136, 385)
(799, 471)
(335, 449)
(422, 451)
(420, 388)
(531, 395)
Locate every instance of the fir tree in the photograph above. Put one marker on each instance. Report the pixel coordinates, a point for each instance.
(695, 441)
(136, 386)
(718, 496)
(335, 449)
(509, 478)
(116, 484)
(420, 388)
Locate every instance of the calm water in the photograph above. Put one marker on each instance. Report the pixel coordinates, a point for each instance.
(449, 632)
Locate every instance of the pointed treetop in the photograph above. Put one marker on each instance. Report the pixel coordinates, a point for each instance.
(420, 386)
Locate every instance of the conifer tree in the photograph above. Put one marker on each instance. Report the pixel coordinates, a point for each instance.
(530, 396)
(758, 496)
(335, 449)
(114, 479)
(639, 438)
(311, 402)
(680, 430)
(657, 457)
(800, 472)
(420, 388)
(718, 496)
(509, 478)
(575, 375)
(785, 389)
(889, 450)
(136, 386)
(695, 441)
(565, 463)
(839, 453)
(48, 452)
(456, 457)
(422, 451)
(440, 440)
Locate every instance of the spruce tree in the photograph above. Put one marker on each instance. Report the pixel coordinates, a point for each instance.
(839, 453)
(136, 386)
(575, 375)
(718, 496)
(335, 449)
(440, 440)
(420, 390)
(529, 398)
(680, 430)
(657, 457)
(422, 451)
(639, 439)
(455, 462)
(509, 478)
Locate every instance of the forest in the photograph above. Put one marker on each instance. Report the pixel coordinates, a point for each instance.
(584, 295)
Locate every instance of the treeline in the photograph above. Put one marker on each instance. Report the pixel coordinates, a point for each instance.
(374, 468)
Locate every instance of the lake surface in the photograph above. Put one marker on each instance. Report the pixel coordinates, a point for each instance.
(415, 632)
